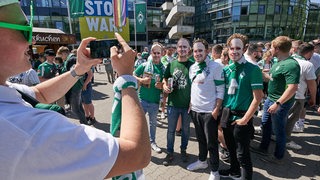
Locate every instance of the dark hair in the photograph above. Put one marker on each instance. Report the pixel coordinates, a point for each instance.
(59, 59)
(305, 48)
(217, 48)
(253, 47)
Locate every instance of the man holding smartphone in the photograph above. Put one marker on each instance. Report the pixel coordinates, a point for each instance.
(41, 144)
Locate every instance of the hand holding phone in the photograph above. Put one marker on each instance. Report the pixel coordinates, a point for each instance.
(101, 48)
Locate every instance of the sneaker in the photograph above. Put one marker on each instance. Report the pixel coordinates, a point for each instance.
(228, 173)
(257, 149)
(260, 113)
(272, 159)
(162, 116)
(168, 159)
(91, 121)
(298, 129)
(225, 156)
(293, 145)
(178, 133)
(184, 156)
(197, 165)
(155, 147)
(214, 176)
(257, 130)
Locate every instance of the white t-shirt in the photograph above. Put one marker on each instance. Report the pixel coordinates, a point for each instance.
(306, 73)
(315, 60)
(206, 87)
(41, 144)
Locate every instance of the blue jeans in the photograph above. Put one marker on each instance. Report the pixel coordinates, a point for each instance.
(277, 123)
(152, 110)
(173, 115)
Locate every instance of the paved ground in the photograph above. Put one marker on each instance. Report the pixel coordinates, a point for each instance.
(299, 164)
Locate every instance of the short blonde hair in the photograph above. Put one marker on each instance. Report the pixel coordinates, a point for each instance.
(283, 43)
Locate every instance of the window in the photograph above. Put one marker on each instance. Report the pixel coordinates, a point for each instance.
(261, 9)
(43, 3)
(235, 10)
(244, 10)
(59, 25)
(277, 9)
(290, 10)
(219, 14)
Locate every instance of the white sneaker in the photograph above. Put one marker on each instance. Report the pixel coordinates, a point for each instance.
(162, 116)
(293, 145)
(260, 113)
(298, 129)
(257, 129)
(214, 176)
(155, 147)
(197, 165)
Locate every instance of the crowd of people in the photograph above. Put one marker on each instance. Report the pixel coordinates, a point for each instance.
(220, 89)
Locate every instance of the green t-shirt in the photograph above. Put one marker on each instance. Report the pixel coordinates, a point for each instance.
(179, 71)
(249, 78)
(47, 70)
(283, 73)
(152, 94)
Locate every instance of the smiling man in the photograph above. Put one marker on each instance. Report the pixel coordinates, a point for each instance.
(242, 97)
(207, 90)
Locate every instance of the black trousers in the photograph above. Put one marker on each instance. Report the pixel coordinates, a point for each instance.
(238, 142)
(207, 135)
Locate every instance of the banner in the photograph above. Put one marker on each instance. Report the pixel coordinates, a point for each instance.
(76, 8)
(120, 11)
(98, 21)
(141, 17)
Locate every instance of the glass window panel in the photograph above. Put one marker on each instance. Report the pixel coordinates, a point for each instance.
(63, 3)
(277, 9)
(56, 3)
(261, 9)
(244, 10)
(235, 10)
(253, 9)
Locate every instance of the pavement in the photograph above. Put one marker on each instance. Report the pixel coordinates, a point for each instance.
(299, 164)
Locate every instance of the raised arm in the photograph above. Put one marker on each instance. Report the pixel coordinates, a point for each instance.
(134, 150)
(53, 89)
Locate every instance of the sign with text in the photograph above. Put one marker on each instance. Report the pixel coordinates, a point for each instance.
(98, 21)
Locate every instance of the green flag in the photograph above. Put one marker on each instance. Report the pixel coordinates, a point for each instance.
(141, 17)
(76, 8)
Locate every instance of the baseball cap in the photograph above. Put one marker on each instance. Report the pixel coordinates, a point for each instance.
(49, 52)
(7, 2)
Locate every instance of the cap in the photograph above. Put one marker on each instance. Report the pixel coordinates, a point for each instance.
(7, 2)
(49, 52)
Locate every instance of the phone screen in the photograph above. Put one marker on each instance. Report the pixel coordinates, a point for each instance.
(101, 48)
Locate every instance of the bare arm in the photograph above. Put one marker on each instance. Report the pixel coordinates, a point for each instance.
(134, 150)
(54, 88)
(287, 94)
(257, 96)
(312, 86)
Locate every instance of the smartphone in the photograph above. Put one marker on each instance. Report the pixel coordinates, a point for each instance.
(101, 48)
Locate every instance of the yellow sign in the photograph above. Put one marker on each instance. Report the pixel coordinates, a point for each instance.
(102, 27)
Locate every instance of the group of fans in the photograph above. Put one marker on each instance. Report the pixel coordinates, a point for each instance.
(221, 89)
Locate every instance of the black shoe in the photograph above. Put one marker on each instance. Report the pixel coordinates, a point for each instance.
(224, 156)
(178, 133)
(257, 149)
(91, 121)
(228, 173)
(184, 156)
(272, 159)
(168, 159)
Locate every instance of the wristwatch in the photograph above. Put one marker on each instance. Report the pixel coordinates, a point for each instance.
(278, 103)
(74, 74)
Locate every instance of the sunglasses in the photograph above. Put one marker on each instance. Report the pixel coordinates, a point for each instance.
(26, 30)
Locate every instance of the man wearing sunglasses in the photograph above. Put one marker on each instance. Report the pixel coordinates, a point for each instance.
(42, 144)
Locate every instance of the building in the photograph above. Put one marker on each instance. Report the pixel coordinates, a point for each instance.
(214, 20)
(260, 20)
